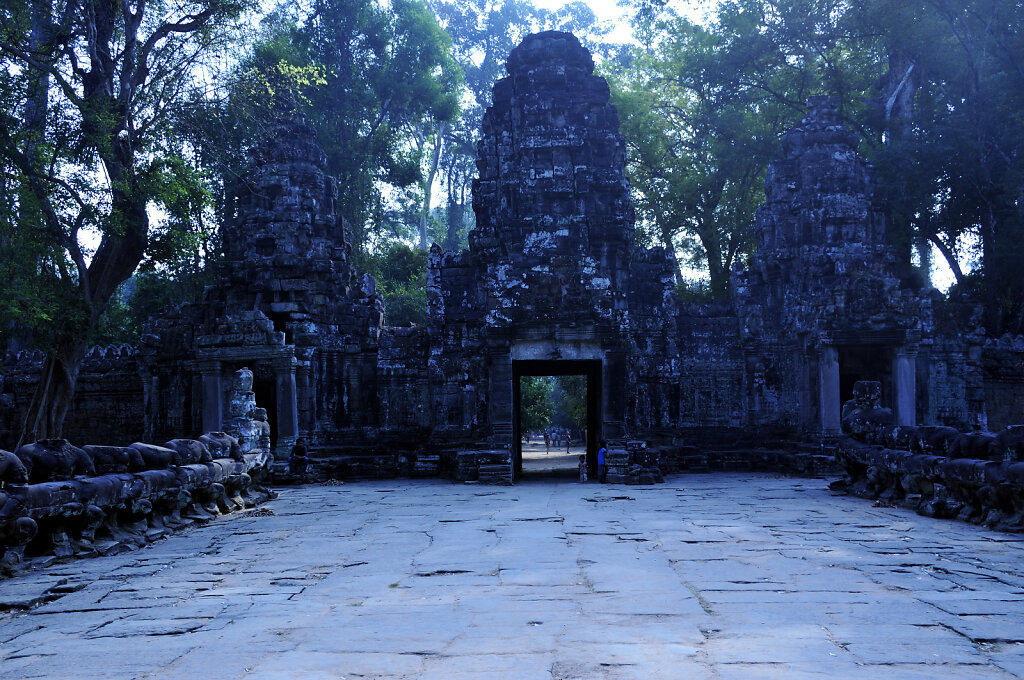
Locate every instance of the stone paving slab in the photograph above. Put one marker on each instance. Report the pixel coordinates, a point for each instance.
(708, 576)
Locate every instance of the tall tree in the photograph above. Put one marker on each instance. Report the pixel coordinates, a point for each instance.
(952, 155)
(536, 402)
(95, 155)
(389, 73)
(702, 110)
(933, 86)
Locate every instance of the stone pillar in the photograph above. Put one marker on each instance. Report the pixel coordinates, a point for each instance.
(213, 396)
(287, 406)
(304, 396)
(614, 385)
(500, 389)
(904, 380)
(149, 391)
(828, 391)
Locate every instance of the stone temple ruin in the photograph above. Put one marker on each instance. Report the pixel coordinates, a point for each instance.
(553, 284)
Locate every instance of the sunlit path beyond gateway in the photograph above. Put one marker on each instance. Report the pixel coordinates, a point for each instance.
(725, 576)
(539, 462)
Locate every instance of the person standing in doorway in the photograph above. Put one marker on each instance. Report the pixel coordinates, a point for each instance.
(602, 475)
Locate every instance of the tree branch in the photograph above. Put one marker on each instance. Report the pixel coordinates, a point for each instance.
(189, 23)
(54, 73)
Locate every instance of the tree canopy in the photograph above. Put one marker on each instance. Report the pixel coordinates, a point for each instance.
(87, 151)
(933, 86)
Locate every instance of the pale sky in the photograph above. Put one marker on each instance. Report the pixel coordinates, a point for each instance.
(609, 10)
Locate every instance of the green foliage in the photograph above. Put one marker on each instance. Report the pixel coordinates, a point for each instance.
(934, 87)
(570, 399)
(690, 290)
(368, 76)
(703, 110)
(389, 71)
(536, 405)
(953, 155)
(401, 274)
(89, 151)
(36, 298)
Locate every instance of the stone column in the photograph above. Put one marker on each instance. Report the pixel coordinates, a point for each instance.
(614, 385)
(500, 388)
(213, 396)
(904, 380)
(149, 392)
(828, 391)
(304, 396)
(287, 406)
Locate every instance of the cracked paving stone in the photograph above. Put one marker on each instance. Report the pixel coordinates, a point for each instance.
(723, 576)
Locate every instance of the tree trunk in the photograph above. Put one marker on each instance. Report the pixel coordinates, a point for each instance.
(899, 85)
(991, 284)
(34, 127)
(719, 278)
(456, 217)
(115, 260)
(949, 256)
(428, 189)
(45, 416)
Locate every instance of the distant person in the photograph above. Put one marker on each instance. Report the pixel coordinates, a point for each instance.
(298, 462)
(547, 443)
(602, 474)
(583, 468)
(568, 442)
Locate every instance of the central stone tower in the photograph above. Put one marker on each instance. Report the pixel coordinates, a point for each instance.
(546, 287)
(554, 219)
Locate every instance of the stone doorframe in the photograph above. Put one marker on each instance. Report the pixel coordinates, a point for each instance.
(214, 364)
(904, 381)
(592, 369)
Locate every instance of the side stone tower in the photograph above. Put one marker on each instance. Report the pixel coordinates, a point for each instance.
(286, 249)
(823, 305)
(286, 303)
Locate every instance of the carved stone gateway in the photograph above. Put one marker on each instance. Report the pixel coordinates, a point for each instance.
(546, 283)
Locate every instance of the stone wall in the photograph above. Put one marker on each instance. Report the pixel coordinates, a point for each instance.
(109, 403)
(61, 501)
(1002, 363)
(402, 382)
(712, 375)
(938, 471)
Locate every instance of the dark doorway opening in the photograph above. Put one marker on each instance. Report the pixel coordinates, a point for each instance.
(590, 369)
(266, 397)
(865, 362)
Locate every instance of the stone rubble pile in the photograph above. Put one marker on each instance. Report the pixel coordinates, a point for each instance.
(937, 471)
(58, 500)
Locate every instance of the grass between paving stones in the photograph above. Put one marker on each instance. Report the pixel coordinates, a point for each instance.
(704, 604)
